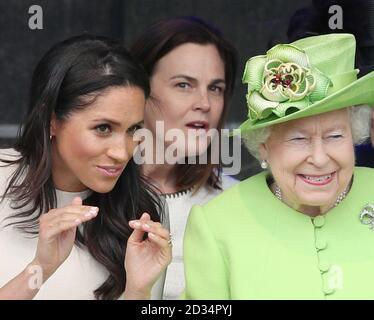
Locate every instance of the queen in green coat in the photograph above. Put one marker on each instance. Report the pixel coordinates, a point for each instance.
(304, 227)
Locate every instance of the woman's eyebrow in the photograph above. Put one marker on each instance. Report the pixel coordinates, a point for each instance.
(183, 76)
(336, 127)
(192, 79)
(295, 130)
(113, 122)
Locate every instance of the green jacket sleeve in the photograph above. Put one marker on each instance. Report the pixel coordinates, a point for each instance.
(205, 269)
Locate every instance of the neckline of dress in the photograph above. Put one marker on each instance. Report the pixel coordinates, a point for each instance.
(178, 194)
(83, 194)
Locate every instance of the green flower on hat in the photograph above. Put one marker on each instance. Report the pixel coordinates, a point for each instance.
(286, 81)
(281, 82)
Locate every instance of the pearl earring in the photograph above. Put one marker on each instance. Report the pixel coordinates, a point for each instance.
(264, 164)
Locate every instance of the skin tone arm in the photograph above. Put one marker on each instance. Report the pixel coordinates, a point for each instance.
(19, 287)
(144, 261)
(56, 239)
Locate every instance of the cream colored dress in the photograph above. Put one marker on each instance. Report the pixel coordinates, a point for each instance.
(76, 278)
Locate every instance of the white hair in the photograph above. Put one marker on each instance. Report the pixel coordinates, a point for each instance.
(360, 117)
(360, 123)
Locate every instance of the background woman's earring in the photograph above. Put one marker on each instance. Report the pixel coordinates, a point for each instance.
(264, 164)
(50, 137)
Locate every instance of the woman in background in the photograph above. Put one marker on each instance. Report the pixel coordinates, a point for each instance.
(192, 74)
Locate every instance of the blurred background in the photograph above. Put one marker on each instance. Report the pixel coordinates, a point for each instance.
(252, 26)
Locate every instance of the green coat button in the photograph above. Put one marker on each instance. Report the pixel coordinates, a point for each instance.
(319, 221)
(324, 266)
(328, 290)
(321, 244)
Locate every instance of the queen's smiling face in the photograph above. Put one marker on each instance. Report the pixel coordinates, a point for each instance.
(312, 160)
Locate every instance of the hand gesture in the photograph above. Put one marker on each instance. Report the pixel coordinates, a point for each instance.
(145, 259)
(57, 229)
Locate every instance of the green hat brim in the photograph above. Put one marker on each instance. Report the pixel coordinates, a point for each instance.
(358, 92)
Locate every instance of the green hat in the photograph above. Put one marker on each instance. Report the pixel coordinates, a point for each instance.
(307, 77)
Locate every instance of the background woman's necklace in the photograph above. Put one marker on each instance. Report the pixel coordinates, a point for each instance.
(278, 194)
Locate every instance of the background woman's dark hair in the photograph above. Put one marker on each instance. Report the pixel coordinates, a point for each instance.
(68, 78)
(161, 38)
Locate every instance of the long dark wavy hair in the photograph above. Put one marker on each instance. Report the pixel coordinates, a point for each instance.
(69, 72)
(161, 38)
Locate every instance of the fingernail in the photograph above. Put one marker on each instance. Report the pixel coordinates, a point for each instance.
(134, 224)
(77, 220)
(152, 235)
(146, 226)
(94, 210)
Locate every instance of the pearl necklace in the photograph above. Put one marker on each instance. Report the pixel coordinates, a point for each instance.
(278, 194)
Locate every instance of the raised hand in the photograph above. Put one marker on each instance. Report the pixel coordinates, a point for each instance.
(145, 259)
(57, 232)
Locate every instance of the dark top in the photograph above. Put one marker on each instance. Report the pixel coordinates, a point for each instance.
(365, 155)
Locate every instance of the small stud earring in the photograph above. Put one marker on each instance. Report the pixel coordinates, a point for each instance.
(264, 164)
(50, 137)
